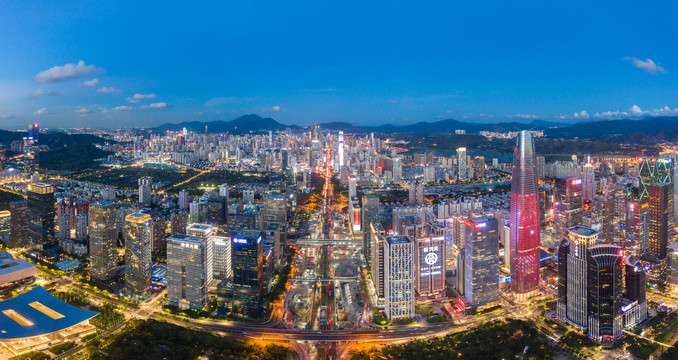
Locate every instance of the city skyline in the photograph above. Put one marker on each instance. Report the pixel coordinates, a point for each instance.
(140, 65)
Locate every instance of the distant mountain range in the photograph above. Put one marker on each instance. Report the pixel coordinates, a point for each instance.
(661, 128)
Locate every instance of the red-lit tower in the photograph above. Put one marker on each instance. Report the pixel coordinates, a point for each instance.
(524, 235)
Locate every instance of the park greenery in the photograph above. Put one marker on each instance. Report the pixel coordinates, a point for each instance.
(127, 177)
(74, 158)
(493, 340)
(109, 316)
(73, 297)
(62, 348)
(152, 339)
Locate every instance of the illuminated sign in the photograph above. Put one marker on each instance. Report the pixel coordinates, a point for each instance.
(431, 258)
(240, 241)
(628, 307)
(576, 182)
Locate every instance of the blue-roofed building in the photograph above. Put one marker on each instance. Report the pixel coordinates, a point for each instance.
(36, 319)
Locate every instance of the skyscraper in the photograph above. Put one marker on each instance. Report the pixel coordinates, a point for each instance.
(340, 149)
(370, 205)
(138, 244)
(588, 182)
(18, 233)
(604, 296)
(462, 166)
(145, 190)
(430, 266)
(41, 213)
(481, 262)
(184, 199)
(217, 210)
(399, 277)
(247, 263)
(661, 218)
(572, 275)
(102, 240)
(524, 218)
(568, 205)
(638, 227)
(187, 270)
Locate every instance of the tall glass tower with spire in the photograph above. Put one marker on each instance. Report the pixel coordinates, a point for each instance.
(524, 217)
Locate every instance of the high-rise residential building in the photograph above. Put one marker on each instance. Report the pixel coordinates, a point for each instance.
(145, 190)
(187, 270)
(41, 213)
(224, 191)
(81, 227)
(661, 218)
(399, 277)
(462, 165)
(178, 222)
(430, 266)
(572, 275)
(64, 222)
(479, 167)
(541, 166)
(672, 267)
(184, 199)
(103, 236)
(18, 234)
(588, 182)
(138, 261)
(158, 235)
(351, 186)
(568, 205)
(198, 211)
(248, 197)
(653, 171)
(524, 218)
(397, 169)
(602, 218)
(429, 174)
(638, 227)
(481, 262)
(370, 205)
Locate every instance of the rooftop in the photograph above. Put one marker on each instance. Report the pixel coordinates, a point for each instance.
(398, 239)
(38, 313)
(185, 238)
(102, 203)
(583, 231)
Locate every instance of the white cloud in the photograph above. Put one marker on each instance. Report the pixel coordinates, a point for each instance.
(42, 111)
(138, 97)
(81, 110)
(648, 65)
(68, 71)
(636, 112)
(108, 90)
(123, 108)
(41, 93)
(158, 105)
(91, 83)
(581, 115)
(522, 116)
(276, 108)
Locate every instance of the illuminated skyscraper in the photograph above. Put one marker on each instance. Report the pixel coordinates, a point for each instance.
(41, 212)
(524, 218)
(481, 262)
(462, 165)
(137, 254)
(661, 218)
(102, 240)
(340, 149)
(188, 270)
(588, 182)
(568, 205)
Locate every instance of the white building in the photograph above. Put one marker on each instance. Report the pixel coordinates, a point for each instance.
(399, 277)
(221, 257)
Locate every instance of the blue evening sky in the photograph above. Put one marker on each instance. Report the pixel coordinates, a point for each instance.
(364, 62)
